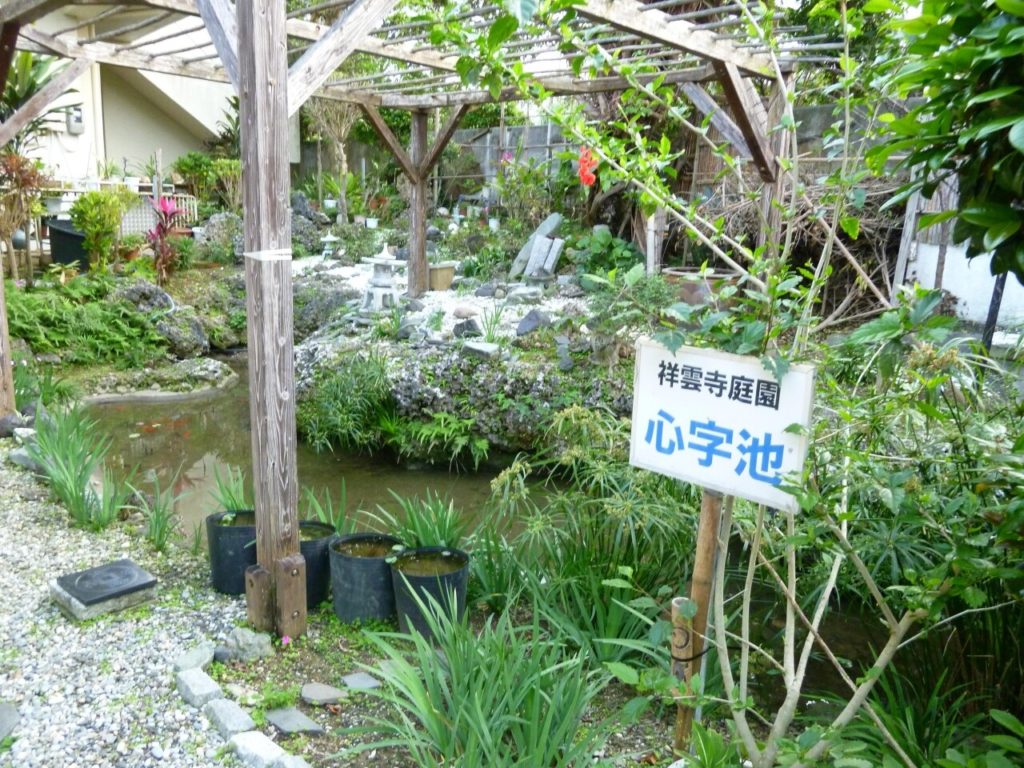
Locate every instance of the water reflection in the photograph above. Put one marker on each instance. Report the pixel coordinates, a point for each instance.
(210, 436)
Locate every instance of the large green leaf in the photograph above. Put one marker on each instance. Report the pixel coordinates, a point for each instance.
(523, 10)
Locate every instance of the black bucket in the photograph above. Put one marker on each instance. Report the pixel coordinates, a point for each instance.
(67, 244)
(437, 572)
(314, 543)
(232, 549)
(361, 576)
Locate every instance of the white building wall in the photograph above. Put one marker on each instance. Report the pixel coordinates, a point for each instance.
(970, 281)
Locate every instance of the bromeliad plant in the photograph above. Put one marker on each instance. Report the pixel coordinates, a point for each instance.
(165, 255)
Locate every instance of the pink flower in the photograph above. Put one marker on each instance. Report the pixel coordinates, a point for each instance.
(285, 640)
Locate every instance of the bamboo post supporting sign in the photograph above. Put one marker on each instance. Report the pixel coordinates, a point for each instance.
(725, 423)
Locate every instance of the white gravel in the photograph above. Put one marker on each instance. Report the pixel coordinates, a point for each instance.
(99, 693)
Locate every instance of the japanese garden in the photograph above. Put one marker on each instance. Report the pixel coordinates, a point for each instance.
(565, 383)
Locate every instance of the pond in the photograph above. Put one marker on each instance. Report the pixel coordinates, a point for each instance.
(206, 436)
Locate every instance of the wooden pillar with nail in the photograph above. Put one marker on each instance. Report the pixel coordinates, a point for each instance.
(276, 587)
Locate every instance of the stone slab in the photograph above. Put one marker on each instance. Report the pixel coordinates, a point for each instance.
(551, 262)
(361, 681)
(482, 349)
(255, 749)
(290, 761)
(227, 717)
(547, 228)
(9, 719)
(291, 721)
(197, 688)
(538, 255)
(319, 694)
(79, 612)
(198, 657)
(106, 582)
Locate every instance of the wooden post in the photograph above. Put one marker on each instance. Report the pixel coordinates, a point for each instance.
(8, 42)
(688, 641)
(418, 274)
(263, 106)
(773, 193)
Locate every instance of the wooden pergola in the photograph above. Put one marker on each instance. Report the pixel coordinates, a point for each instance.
(687, 43)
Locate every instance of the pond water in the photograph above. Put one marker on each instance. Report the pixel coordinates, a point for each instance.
(202, 437)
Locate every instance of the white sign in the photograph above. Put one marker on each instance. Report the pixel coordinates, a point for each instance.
(719, 420)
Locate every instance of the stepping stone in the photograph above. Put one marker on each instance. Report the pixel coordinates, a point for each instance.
(361, 681)
(319, 694)
(197, 688)
(290, 721)
(9, 718)
(103, 589)
(255, 749)
(290, 761)
(482, 349)
(227, 717)
(196, 658)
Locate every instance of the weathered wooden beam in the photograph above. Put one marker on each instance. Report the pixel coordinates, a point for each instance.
(108, 53)
(27, 11)
(390, 141)
(632, 16)
(8, 43)
(222, 26)
(418, 269)
(7, 400)
(555, 85)
(442, 139)
(337, 44)
(708, 107)
(46, 95)
(263, 103)
(747, 110)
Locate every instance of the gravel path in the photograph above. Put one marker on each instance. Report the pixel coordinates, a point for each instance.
(100, 693)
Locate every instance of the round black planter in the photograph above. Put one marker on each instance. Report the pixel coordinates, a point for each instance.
(232, 549)
(361, 584)
(314, 544)
(412, 583)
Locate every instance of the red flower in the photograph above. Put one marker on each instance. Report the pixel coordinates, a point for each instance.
(587, 166)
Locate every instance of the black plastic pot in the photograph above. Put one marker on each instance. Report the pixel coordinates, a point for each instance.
(67, 244)
(232, 548)
(314, 544)
(424, 574)
(361, 576)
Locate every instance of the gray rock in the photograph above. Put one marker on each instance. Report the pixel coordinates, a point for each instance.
(301, 206)
(534, 319)
(433, 233)
(198, 657)
(245, 645)
(222, 655)
(565, 364)
(12, 421)
(144, 296)
(25, 436)
(227, 717)
(319, 694)
(414, 305)
(21, 457)
(361, 681)
(184, 333)
(222, 229)
(485, 291)
(482, 349)
(255, 749)
(9, 718)
(290, 721)
(525, 294)
(197, 688)
(305, 233)
(290, 761)
(468, 328)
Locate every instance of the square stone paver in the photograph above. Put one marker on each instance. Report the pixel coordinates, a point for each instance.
(361, 681)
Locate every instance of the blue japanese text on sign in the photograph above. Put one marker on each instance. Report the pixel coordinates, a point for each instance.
(720, 420)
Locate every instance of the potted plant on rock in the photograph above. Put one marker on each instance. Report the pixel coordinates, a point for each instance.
(441, 270)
